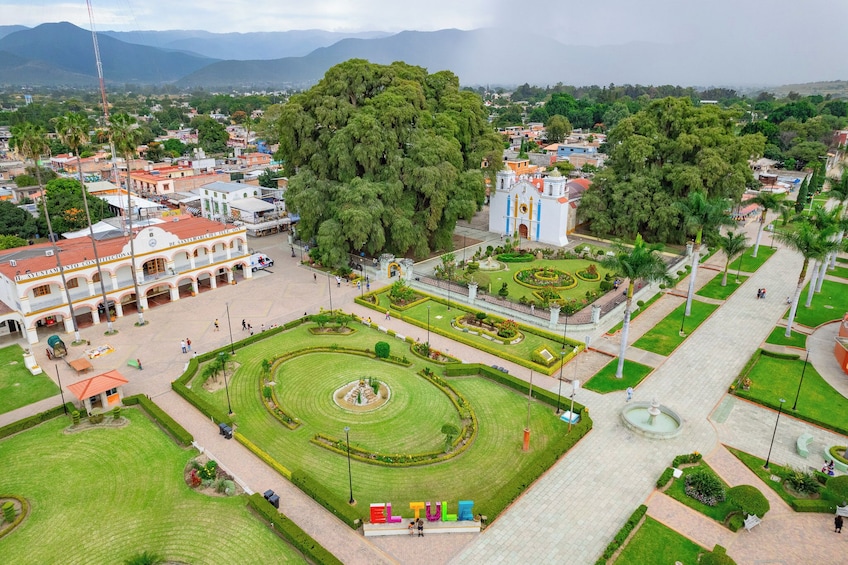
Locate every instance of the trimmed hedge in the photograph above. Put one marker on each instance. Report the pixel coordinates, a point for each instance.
(665, 477)
(340, 508)
(515, 257)
(622, 534)
(171, 426)
(8, 528)
(35, 419)
(263, 455)
(291, 532)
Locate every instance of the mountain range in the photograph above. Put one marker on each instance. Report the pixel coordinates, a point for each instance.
(59, 54)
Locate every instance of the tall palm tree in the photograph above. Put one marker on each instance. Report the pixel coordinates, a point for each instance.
(700, 215)
(733, 244)
(31, 141)
(811, 244)
(839, 191)
(73, 130)
(767, 201)
(827, 222)
(641, 262)
(125, 136)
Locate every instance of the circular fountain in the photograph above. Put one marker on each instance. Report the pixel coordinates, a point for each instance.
(490, 264)
(651, 419)
(362, 395)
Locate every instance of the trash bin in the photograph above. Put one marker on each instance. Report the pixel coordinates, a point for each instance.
(272, 498)
(225, 430)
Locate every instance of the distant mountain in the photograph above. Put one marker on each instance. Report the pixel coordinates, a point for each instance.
(65, 48)
(241, 46)
(6, 30)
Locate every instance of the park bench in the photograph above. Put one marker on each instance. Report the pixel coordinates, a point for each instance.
(132, 363)
(802, 446)
(751, 521)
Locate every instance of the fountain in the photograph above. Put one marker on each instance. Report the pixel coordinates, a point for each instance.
(360, 395)
(490, 264)
(651, 419)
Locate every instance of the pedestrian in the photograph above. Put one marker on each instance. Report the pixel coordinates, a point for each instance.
(243, 325)
(262, 328)
(764, 294)
(388, 315)
(789, 300)
(338, 281)
(420, 528)
(217, 326)
(411, 528)
(532, 309)
(358, 284)
(250, 329)
(183, 345)
(838, 523)
(367, 286)
(314, 278)
(629, 393)
(759, 293)
(138, 362)
(188, 344)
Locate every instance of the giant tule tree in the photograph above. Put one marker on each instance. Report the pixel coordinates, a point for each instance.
(384, 159)
(660, 155)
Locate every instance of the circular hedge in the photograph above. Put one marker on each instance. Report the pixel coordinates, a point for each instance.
(545, 277)
(749, 499)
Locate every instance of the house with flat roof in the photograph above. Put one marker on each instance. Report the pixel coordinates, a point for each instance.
(216, 198)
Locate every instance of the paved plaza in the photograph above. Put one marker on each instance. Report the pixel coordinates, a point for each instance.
(572, 512)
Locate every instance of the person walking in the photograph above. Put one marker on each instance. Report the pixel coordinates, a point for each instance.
(338, 281)
(420, 528)
(217, 325)
(314, 278)
(138, 362)
(183, 345)
(388, 315)
(262, 328)
(838, 523)
(188, 344)
(629, 393)
(243, 325)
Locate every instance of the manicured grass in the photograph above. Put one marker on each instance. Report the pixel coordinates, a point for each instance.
(751, 264)
(492, 281)
(665, 336)
(18, 387)
(841, 272)
(636, 312)
(604, 381)
(409, 423)
(656, 543)
(117, 492)
(828, 305)
(713, 289)
(676, 491)
(777, 337)
(773, 378)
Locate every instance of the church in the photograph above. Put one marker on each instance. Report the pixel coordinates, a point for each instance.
(535, 208)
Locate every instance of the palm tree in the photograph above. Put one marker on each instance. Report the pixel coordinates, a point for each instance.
(733, 244)
(811, 244)
(767, 201)
(839, 191)
(72, 129)
(827, 221)
(700, 215)
(641, 262)
(31, 141)
(125, 136)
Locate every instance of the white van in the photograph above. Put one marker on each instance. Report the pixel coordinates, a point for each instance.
(260, 261)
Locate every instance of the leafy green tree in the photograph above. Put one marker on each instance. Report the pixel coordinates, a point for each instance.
(10, 241)
(558, 128)
(615, 114)
(733, 244)
(67, 208)
(383, 159)
(211, 135)
(803, 195)
(16, 221)
(768, 201)
(268, 179)
(699, 216)
(174, 147)
(640, 262)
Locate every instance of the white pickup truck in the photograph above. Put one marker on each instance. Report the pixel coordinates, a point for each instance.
(260, 261)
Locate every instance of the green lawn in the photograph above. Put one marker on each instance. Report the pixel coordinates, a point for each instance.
(18, 387)
(777, 337)
(751, 264)
(604, 381)
(828, 305)
(409, 423)
(773, 378)
(676, 491)
(841, 272)
(491, 281)
(656, 543)
(665, 336)
(104, 495)
(713, 289)
(636, 312)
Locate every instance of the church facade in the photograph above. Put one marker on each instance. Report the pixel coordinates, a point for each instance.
(535, 208)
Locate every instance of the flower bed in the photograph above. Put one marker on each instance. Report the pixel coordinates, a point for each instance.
(545, 277)
(424, 351)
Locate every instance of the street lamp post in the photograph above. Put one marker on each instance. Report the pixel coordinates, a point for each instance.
(349, 475)
(230, 327)
(562, 354)
(575, 386)
(682, 323)
(428, 326)
(62, 392)
(779, 410)
(226, 384)
(800, 382)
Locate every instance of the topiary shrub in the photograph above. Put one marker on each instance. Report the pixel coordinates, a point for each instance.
(382, 349)
(718, 556)
(504, 291)
(749, 500)
(75, 417)
(704, 487)
(116, 413)
(9, 511)
(838, 486)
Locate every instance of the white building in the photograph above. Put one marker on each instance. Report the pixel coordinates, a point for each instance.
(534, 207)
(216, 198)
(173, 260)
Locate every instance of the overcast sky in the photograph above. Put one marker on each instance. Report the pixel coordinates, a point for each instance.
(570, 21)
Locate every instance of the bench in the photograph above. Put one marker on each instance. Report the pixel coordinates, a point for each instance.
(802, 446)
(751, 521)
(132, 363)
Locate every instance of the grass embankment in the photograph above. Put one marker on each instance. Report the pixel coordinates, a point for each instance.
(665, 337)
(828, 305)
(604, 381)
(656, 543)
(713, 289)
(751, 264)
(778, 337)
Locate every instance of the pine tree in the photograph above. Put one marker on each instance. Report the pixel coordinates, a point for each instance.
(801, 201)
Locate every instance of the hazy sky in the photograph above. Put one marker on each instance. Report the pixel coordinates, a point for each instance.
(570, 21)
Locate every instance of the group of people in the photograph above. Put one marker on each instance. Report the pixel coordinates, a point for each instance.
(420, 525)
(761, 293)
(185, 345)
(828, 468)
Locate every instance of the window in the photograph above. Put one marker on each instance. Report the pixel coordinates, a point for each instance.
(95, 277)
(154, 267)
(195, 252)
(207, 192)
(244, 195)
(42, 290)
(111, 391)
(73, 283)
(224, 206)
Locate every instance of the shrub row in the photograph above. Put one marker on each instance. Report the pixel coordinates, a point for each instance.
(277, 411)
(340, 508)
(516, 257)
(419, 299)
(460, 325)
(460, 369)
(291, 532)
(263, 455)
(205, 408)
(687, 458)
(19, 518)
(622, 534)
(665, 477)
(35, 419)
(412, 348)
(171, 426)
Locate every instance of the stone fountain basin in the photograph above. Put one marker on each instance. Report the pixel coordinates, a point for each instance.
(668, 423)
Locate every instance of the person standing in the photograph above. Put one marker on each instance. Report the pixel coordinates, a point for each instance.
(183, 345)
(314, 278)
(217, 326)
(188, 344)
(838, 523)
(420, 528)
(138, 361)
(243, 325)
(629, 393)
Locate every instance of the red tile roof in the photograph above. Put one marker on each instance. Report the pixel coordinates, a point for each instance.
(93, 386)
